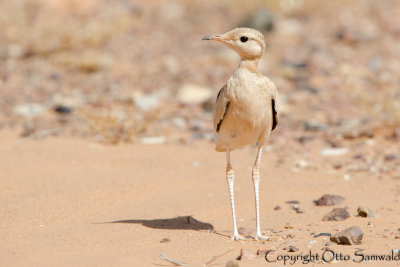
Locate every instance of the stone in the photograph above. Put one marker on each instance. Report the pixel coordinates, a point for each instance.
(190, 94)
(323, 234)
(349, 236)
(232, 263)
(179, 122)
(334, 151)
(364, 212)
(262, 20)
(165, 240)
(391, 157)
(337, 214)
(291, 249)
(329, 200)
(353, 128)
(62, 109)
(314, 126)
(145, 102)
(29, 110)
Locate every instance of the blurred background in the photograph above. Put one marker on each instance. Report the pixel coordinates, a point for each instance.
(123, 70)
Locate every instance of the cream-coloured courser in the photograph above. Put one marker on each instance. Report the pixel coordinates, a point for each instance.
(247, 108)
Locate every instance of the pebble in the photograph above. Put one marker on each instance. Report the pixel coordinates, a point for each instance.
(323, 234)
(349, 236)
(190, 94)
(179, 123)
(277, 208)
(390, 157)
(145, 102)
(232, 263)
(314, 127)
(337, 214)
(329, 200)
(165, 240)
(63, 109)
(29, 110)
(153, 140)
(336, 151)
(302, 163)
(288, 226)
(291, 249)
(364, 212)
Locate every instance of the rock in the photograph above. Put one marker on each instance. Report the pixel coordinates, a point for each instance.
(296, 208)
(232, 263)
(262, 20)
(353, 128)
(291, 249)
(323, 234)
(288, 226)
(292, 202)
(301, 163)
(391, 157)
(329, 200)
(179, 122)
(29, 110)
(165, 240)
(190, 94)
(364, 212)
(153, 140)
(62, 109)
(277, 207)
(145, 102)
(337, 214)
(245, 231)
(313, 126)
(349, 236)
(244, 255)
(335, 151)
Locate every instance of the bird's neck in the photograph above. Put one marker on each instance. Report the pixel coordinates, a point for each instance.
(250, 64)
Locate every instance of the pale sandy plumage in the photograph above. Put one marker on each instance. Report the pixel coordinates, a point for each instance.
(247, 106)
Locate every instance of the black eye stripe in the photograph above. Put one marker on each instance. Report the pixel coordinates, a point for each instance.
(244, 39)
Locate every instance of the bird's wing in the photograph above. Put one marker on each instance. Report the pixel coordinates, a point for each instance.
(274, 104)
(221, 108)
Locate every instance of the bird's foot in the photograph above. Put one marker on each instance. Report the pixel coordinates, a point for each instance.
(236, 237)
(259, 236)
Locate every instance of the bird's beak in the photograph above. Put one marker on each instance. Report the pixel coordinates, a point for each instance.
(215, 37)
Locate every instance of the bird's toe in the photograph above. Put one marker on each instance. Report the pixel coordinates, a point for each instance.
(238, 237)
(261, 237)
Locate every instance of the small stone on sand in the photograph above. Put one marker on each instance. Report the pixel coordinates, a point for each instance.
(349, 236)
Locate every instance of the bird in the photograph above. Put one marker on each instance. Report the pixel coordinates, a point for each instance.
(247, 110)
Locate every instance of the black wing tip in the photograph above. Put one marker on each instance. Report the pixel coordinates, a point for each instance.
(274, 115)
(220, 122)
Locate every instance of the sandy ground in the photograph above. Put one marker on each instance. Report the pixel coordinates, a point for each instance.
(72, 202)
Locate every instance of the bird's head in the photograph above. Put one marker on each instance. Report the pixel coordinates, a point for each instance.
(248, 43)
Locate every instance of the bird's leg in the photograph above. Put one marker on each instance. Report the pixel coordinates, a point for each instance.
(230, 178)
(256, 182)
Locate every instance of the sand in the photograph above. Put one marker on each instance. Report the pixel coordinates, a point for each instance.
(74, 202)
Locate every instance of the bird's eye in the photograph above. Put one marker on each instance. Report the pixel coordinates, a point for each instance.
(244, 39)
